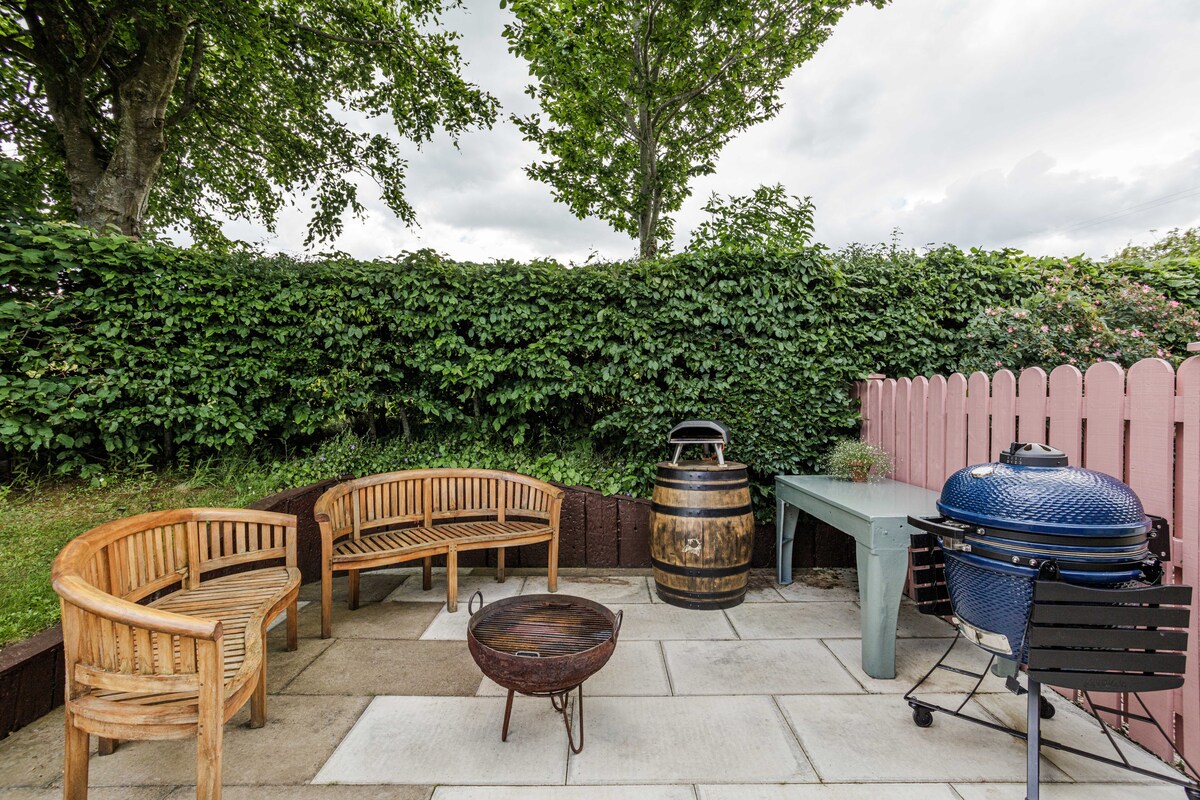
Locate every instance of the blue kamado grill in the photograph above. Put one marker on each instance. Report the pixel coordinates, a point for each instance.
(1004, 525)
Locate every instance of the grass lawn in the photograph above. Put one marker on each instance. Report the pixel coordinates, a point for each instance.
(35, 522)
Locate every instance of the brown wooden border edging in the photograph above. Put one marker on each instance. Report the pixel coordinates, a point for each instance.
(596, 530)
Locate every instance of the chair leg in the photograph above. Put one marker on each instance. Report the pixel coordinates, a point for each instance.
(208, 755)
(452, 580)
(427, 573)
(75, 762)
(500, 564)
(552, 565)
(258, 700)
(106, 746)
(353, 590)
(293, 625)
(326, 602)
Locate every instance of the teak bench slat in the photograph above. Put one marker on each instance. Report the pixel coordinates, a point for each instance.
(394, 517)
(155, 647)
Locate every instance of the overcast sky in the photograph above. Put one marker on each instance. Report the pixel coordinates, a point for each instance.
(1054, 126)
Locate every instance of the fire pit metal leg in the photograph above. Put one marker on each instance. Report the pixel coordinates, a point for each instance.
(561, 703)
(507, 714)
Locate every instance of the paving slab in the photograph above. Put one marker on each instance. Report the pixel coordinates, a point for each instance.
(687, 740)
(283, 666)
(763, 666)
(761, 588)
(912, 623)
(372, 587)
(820, 584)
(374, 620)
(914, 657)
(451, 740)
(1073, 726)
(33, 756)
(829, 791)
(1067, 791)
(606, 589)
(872, 738)
(564, 793)
(795, 620)
(635, 669)
(390, 666)
(410, 590)
(110, 793)
(311, 793)
(300, 734)
(659, 621)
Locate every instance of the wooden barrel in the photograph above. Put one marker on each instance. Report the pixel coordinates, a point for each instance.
(701, 533)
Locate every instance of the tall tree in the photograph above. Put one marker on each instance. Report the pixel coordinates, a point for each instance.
(639, 96)
(174, 112)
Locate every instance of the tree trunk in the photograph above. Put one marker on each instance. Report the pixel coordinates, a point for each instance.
(113, 188)
(123, 191)
(649, 193)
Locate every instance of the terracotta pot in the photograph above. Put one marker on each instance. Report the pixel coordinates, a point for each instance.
(860, 471)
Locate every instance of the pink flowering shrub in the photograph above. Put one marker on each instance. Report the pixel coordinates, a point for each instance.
(1073, 321)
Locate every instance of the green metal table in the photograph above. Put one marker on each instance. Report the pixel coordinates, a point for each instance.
(874, 514)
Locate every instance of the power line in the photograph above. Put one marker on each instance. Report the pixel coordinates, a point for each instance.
(1137, 208)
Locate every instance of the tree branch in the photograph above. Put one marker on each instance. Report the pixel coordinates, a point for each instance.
(15, 47)
(188, 104)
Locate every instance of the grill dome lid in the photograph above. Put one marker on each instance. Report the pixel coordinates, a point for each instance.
(1032, 490)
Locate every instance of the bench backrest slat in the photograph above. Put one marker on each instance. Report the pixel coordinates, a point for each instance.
(429, 497)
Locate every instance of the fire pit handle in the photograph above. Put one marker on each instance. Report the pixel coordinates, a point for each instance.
(471, 602)
(617, 624)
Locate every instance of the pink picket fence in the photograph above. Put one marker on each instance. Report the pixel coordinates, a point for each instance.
(1141, 425)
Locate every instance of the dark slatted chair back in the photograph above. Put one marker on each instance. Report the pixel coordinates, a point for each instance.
(1109, 640)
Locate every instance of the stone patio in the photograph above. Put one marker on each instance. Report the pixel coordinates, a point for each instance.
(765, 701)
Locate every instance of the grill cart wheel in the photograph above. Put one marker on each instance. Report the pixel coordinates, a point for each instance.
(1045, 709)
(922, 716)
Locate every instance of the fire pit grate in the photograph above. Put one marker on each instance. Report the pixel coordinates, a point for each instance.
(543, 630)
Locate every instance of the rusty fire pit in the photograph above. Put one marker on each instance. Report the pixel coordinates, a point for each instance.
(545, 645)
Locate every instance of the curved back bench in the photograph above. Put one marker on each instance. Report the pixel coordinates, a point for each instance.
(401, 516)
(158, 648)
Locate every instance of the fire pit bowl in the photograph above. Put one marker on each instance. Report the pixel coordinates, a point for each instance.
(544, 645)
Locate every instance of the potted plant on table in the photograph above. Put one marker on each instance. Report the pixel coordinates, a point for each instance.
(855, 460)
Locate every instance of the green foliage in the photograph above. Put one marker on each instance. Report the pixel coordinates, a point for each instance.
(1171, 264)
(637, 98)
(1072, 321)
(254, 102)
(131, 353)
(573, 464)
(854, 459)
(767, 219)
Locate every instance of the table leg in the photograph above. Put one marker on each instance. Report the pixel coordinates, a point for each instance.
(881, 575)
(786, 517)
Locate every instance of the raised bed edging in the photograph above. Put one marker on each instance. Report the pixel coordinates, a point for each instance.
(596, 530)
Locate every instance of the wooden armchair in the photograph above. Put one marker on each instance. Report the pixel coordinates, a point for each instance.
(158, 648)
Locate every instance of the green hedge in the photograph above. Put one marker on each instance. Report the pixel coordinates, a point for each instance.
(142, 352)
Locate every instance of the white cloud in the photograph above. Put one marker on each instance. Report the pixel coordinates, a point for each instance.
(1016, 123)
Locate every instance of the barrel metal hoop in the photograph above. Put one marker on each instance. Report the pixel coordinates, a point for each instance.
(708, 513)
(702, 474)
(684, 486)
(682, 593)
(700, 572)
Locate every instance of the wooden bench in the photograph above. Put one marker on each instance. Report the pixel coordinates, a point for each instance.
(158, 648)
(401, 516)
